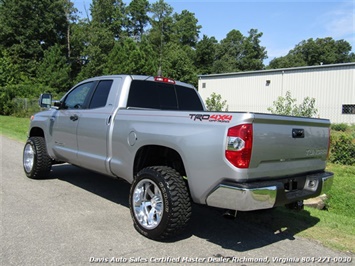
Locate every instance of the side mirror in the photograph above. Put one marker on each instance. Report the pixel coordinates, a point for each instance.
(45, 100)
(58, 104)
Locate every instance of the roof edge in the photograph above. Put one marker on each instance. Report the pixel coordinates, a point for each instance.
(277, 70)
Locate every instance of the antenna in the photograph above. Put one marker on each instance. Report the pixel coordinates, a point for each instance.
(159, 71)
(161, 49)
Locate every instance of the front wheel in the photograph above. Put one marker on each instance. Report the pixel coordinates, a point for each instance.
(36, 161)
(160, 204)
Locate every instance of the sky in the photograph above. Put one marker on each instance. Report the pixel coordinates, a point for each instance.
(284, 23)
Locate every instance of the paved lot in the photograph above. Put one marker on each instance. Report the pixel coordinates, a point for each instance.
(77, 217)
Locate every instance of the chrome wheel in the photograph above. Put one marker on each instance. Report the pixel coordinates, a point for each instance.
(28, 158)
(148, 204)
(159, 202)
(36, 161)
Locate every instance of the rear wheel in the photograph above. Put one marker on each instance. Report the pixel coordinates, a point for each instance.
(36, 162)
(160, 204)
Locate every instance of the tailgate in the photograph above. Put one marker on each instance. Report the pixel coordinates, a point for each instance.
(285, 145)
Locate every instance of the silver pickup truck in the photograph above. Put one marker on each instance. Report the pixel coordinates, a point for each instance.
(155, 133)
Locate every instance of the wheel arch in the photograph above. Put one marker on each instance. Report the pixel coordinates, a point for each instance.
(36, 132)
(153, 155)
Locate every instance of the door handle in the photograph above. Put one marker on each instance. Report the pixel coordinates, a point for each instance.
(74, 117)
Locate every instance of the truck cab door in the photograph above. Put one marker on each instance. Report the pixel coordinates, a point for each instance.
(65, 123)
(94, 124)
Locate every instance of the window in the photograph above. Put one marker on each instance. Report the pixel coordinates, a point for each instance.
(203, 85)
(77, 98)
(156, 95)
(99, 99)
(148, 94)
(188, 99)
(348, 109)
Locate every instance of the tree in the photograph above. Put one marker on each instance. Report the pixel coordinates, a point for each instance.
(72, 17)
(27, 39)
(239, 53)
(316, 52)
(98, 44)
(54, 70)
(254, 53)
(228, 53)
(178, 64)
(109, 15)
(9, 73)
(130, 57)
(98, 36)
(138, 18)
(161, 22)
(215, 103)
(186, 30)
(205, 54)
(287, 106)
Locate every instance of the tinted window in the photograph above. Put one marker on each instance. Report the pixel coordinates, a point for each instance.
(100, 96)
(148, 94)
(188, 99)
(77, 98)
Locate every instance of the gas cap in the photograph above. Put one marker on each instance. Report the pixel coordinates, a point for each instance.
(132, 137)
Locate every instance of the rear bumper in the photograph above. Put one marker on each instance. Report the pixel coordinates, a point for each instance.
(268, 194)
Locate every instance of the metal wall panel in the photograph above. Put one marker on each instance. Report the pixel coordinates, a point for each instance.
(331, 86)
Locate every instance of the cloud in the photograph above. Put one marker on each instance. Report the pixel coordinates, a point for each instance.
(340, 22)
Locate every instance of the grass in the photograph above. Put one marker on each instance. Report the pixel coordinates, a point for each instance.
(333, 228)
(336, 225)
(14, 128)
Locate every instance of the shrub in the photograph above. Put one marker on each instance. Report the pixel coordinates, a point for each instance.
(215, 103)
(287, 106)
(17, 99)
(339, 127)
(342, 149)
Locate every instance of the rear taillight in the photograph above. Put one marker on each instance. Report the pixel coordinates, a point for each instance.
(239, 145)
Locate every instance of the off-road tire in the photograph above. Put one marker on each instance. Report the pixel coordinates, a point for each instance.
(176, 203)
(38, 166)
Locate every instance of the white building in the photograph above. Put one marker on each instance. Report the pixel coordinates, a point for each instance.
(333, 87)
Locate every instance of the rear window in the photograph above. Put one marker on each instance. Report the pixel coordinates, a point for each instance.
(100, 96)
(164, 96)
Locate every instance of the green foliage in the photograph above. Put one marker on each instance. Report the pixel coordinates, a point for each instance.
(108, 15)
(130, 57)
(316, 52)
(185, 30)
(54, 70)
(44, 43)
(343, 147)
(138, 18)
(161, 22)
(339, 127)
(239, 53)
(9, 72)
(205, 54)
(17, 99)
(178, 63)
(287, 106)
(28, 27)
(215, 103)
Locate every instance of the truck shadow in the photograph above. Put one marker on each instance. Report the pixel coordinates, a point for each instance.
(248, 231)
(106, 187)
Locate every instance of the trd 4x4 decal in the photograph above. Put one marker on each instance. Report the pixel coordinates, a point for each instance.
(211, 118)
